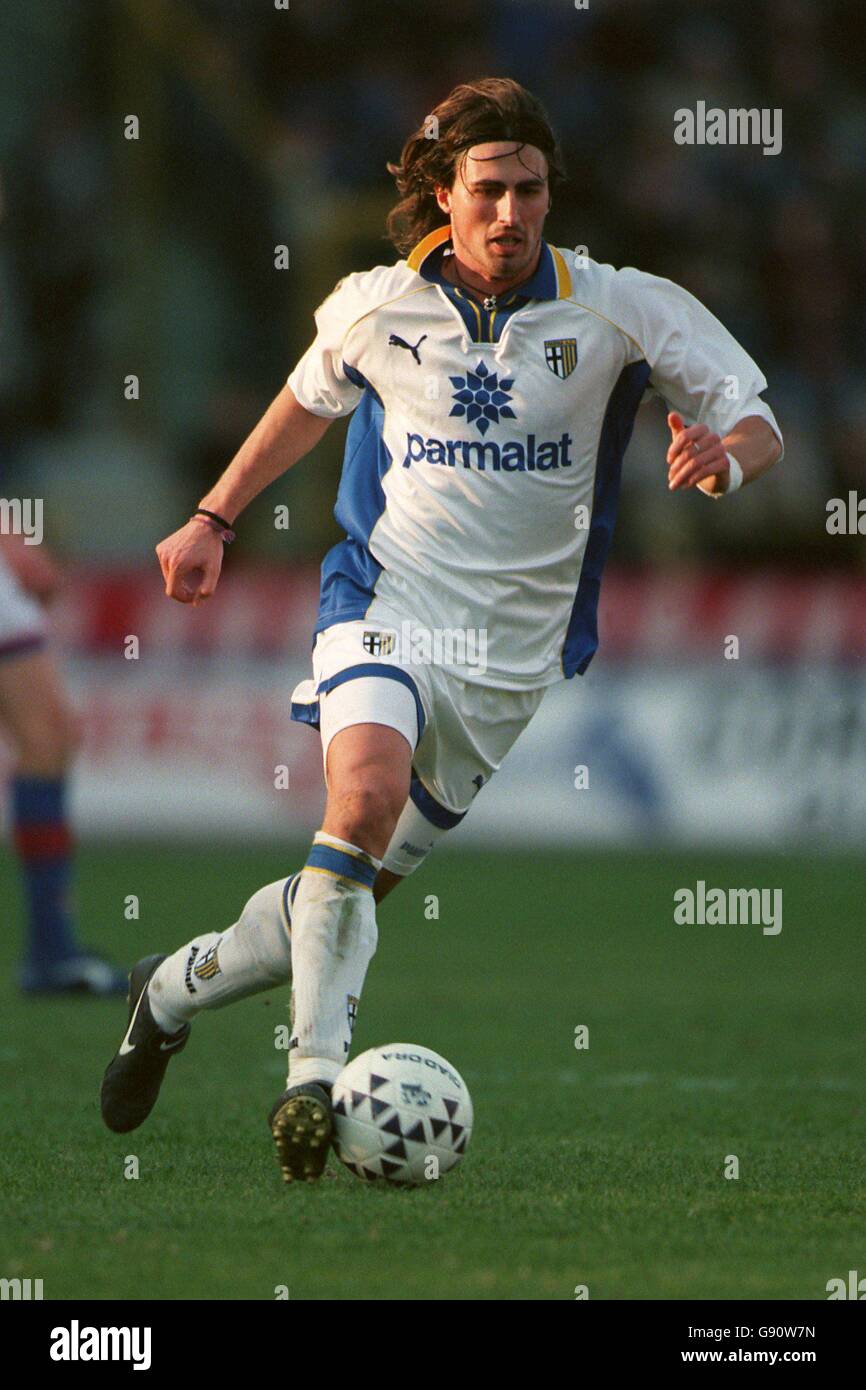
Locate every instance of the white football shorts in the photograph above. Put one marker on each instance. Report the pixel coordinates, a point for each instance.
(367, 673)
(22, 621)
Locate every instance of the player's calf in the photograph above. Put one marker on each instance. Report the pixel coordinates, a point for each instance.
(334, 937)
(219, 967)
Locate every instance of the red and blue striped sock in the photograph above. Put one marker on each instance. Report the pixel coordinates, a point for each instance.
(44, 846)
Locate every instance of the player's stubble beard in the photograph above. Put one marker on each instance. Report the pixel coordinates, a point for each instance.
(502, 271)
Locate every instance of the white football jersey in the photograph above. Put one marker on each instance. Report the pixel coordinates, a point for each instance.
(482, 465)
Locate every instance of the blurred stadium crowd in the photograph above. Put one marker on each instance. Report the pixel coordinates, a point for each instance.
(261, 127)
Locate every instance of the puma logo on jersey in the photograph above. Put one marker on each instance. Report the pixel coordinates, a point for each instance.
(395, 341)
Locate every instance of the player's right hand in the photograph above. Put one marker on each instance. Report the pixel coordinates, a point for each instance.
(191, 560)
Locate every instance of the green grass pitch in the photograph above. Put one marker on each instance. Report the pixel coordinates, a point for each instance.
(601, 1167)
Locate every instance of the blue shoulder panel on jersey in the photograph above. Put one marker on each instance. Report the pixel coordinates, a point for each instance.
(581, 638)
(349, 572)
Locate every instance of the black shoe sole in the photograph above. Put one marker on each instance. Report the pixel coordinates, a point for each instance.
(302, 1128)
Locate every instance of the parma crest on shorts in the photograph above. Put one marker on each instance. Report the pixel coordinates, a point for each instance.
(379, 643)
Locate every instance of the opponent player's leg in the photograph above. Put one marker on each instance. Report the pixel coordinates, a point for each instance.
(334, 933)
(37, 719)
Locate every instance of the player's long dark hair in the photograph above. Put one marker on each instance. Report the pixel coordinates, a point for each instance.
(493, 108)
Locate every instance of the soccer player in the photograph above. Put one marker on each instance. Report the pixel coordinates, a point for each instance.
(493, 381)
(36, 720)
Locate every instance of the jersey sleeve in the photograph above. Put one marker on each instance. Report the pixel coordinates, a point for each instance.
(696, 366)
(319, 381)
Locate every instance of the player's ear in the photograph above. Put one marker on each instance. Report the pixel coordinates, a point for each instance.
(443, 197)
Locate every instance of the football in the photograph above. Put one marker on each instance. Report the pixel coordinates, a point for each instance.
(402, 1113)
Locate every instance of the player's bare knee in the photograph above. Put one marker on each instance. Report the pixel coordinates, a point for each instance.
(364, 814)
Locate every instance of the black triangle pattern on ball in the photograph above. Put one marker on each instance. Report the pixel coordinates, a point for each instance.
(460, 1146)
(398, 1149)
(339, 1107)
(437, 1127)
(377, 1106)
(416, 1132)
(389, 1167)
(357, 1098)
(377, 1081)
(451, 1106)
(392, 1126)
(456, 1131)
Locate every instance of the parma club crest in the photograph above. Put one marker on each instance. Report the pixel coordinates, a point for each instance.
(560, 354)
(379, 643)
(209, 965)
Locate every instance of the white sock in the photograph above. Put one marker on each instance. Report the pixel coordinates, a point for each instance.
(220, 967)
(333, 941)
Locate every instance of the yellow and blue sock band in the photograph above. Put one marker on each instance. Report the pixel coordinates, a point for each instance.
(342, 861)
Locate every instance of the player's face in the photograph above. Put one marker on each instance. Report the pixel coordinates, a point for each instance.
(497, 205)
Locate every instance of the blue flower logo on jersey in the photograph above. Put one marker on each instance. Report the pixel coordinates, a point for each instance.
(482, 398)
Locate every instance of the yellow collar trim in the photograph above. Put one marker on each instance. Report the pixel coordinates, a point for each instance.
(419, 254)
(563, 275)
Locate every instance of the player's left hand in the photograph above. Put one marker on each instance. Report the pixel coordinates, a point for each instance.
(696, 457)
